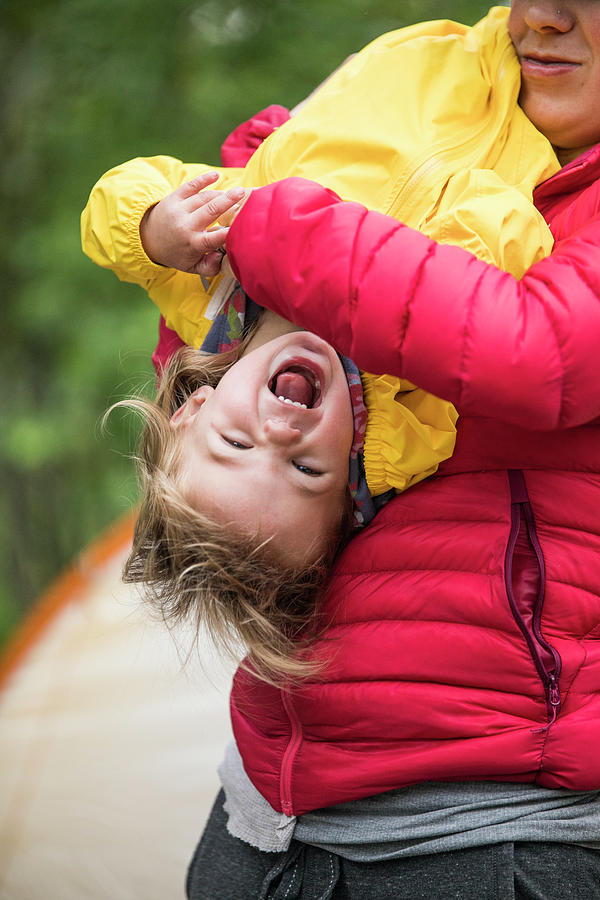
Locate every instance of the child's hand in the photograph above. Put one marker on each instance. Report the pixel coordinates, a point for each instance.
(175, 233)
(228, 218)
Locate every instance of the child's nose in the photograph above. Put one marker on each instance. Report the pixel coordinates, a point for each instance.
(278, 431)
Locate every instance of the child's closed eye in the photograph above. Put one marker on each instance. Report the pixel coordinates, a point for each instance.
(306, 470)
(239, 445)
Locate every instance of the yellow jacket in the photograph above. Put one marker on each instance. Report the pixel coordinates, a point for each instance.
(423, 124)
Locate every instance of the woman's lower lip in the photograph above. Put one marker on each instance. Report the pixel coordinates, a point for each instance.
(535, 68)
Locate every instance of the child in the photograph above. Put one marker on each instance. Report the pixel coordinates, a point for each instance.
(253, 461)
(360, 136)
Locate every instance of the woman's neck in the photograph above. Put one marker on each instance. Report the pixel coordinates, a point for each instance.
(566, 154)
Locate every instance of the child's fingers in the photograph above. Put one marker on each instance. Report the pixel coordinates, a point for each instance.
(199, 183)
(228, 217)
(212, 204)
(206, 241)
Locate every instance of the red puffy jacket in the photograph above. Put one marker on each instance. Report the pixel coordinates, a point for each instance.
(465, 637)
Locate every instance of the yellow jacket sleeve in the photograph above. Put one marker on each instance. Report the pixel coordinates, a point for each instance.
(409, 433)
(110, 234)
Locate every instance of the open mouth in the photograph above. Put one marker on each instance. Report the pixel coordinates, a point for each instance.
(297, 385)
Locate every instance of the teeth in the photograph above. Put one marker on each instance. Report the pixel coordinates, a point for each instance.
(293, 402)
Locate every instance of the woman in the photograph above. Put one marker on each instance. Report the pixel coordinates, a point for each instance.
(465, 655)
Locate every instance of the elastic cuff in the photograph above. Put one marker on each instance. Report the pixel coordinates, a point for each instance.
(146, 267)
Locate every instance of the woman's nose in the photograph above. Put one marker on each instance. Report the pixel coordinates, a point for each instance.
(545, 16)
(278, 431)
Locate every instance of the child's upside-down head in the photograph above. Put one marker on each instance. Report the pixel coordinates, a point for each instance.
(266, 450)
(244, 463)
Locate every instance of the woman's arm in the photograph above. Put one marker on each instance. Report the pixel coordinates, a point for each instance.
(395, 301)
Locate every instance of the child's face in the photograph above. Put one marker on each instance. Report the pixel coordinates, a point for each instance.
(268, 466)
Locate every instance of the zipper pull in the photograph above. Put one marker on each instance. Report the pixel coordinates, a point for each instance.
(554, 698)
(553, 694)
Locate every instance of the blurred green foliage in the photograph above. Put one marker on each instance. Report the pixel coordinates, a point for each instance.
(88, 84)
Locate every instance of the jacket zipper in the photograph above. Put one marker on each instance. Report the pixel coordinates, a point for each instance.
(545, 657)
(285, 784)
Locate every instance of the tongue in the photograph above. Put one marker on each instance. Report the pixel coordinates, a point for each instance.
(293, 386)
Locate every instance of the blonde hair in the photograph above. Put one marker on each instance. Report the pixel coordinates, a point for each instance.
(194, 568)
